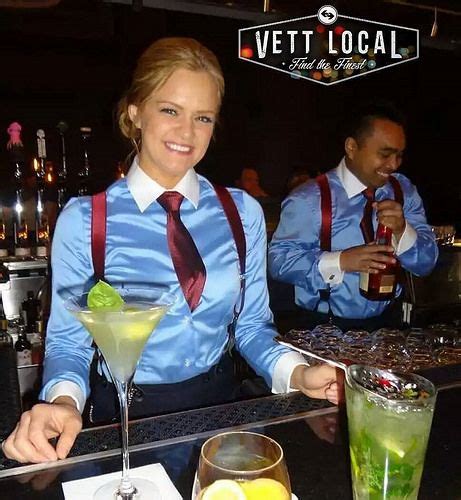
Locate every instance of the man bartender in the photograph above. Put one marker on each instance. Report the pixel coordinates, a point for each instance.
(327, 282)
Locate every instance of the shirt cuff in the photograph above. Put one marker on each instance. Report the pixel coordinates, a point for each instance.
(66, 388)
(330, 269)
(407, 240)
(284, 369)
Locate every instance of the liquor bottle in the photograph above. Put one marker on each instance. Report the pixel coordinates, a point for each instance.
(382, 285)
(41, 152)
(15, 146)
(16, 153)
(23, 348)
(3, 238)
(38, 343)
(30, 311)
(5, 337)
(42, 231)
(21, 229)
(84, 173)
(62, 173)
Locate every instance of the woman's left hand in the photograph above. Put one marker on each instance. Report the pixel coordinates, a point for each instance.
(321, 382)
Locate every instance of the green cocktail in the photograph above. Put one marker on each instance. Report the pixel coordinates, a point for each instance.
(121, 335)
(389, 418)
(121, 319)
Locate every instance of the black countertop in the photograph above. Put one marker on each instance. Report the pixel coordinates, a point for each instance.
(10, 400)
(314, 441)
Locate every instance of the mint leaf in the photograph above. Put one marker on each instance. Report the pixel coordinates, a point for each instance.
(104, 296)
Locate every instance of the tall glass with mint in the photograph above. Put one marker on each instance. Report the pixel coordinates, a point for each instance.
(389, 418)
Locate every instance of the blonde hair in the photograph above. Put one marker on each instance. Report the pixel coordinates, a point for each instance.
(153, 69)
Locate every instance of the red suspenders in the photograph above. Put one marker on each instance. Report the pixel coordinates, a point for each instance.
(235, 223)
(98, 233)
(325, 208)
(98, 236)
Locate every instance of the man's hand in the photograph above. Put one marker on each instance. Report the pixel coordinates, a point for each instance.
(390, 214)
(319, 382)
(369, 258)
(29, 440)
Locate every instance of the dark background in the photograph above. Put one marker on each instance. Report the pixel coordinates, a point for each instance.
(72, 62)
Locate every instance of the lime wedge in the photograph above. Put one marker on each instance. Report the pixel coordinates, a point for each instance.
(393, 447)
(102, 295)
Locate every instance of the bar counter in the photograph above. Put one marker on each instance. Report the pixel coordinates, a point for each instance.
(312, 433)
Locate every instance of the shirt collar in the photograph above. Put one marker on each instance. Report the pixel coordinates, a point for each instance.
(350, 182)
(145, 190)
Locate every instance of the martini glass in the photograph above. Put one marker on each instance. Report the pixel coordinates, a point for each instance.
(121, 336)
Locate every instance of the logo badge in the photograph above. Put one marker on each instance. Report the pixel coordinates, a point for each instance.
(327, 47)
(327, 14)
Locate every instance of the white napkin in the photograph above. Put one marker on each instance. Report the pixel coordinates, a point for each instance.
(84, 489)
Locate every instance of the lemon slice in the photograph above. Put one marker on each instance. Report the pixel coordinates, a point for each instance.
(393, 448)
(102, 295)
(223, 489)
(265, 489)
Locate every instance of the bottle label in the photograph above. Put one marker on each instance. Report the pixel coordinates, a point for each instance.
(387, 283)
(42, 252)
(364, 279)
(24, 357)
(21, 252)
(3, 252)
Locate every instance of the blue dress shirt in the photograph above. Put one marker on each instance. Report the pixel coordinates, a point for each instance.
(184, 344)
(295, 256)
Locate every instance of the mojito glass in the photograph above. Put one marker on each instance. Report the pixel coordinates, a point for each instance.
(389, 418)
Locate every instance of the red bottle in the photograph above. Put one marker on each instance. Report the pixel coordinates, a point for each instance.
(381, 286)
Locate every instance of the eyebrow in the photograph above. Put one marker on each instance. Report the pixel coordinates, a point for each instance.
(171, 103)
(391, 150)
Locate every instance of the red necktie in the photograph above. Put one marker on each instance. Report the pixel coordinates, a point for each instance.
(366, 224)
(187, 262)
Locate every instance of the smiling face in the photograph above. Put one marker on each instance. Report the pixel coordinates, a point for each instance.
(378, 154)
(176, 124)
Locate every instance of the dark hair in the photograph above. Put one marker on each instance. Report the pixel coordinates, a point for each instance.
(361, 123)
(303, 168)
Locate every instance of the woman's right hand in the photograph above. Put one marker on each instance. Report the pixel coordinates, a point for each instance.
(29, 440)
